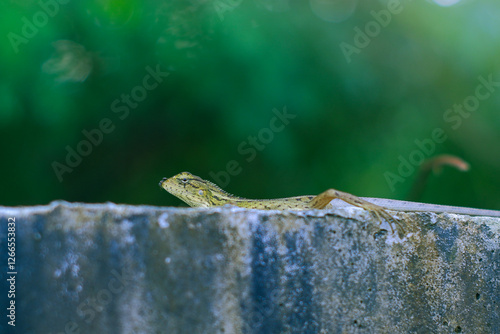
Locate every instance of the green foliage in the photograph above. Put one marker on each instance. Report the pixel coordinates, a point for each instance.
(231, 66)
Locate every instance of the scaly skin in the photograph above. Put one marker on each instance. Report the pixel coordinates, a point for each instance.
(197, 192)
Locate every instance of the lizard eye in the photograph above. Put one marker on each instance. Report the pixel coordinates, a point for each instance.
(184, 180)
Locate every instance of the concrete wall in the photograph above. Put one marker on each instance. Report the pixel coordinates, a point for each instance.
(109, 268)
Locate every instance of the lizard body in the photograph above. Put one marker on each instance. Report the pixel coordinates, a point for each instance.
(197, 192)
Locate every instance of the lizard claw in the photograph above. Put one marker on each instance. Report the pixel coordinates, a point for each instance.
(381, 213)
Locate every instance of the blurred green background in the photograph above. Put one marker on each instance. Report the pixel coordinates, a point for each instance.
(362, 81)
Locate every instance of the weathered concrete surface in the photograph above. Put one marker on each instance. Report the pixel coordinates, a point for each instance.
(109, 268)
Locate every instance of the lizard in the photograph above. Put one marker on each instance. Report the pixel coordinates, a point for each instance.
(197, 192)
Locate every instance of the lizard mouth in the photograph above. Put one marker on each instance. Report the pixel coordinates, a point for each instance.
(161, 182)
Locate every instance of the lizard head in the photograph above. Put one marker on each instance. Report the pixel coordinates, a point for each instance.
(191, 189)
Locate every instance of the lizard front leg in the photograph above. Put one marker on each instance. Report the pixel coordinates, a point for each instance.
(322, 200)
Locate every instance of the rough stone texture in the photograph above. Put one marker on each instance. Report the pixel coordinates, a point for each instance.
(106, 268)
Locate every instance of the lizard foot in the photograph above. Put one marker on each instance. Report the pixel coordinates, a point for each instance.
(380, 213)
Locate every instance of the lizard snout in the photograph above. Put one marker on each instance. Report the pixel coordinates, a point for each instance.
(162, 180)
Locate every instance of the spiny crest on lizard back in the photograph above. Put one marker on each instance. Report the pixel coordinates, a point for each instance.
(215, 188)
